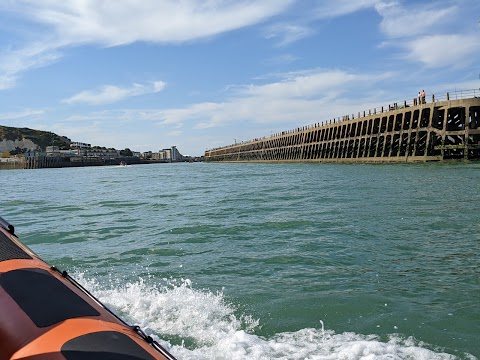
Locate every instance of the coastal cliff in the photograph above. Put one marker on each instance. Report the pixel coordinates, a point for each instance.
(12, 138)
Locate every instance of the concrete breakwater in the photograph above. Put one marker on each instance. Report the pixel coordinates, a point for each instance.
(446, 128)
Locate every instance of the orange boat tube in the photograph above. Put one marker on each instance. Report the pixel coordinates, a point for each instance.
(46, 315)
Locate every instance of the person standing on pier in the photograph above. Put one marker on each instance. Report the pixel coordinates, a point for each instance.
(423, 96)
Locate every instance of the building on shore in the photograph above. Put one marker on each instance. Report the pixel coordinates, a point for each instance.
(56, 151)
(167, 155)
(80, 145)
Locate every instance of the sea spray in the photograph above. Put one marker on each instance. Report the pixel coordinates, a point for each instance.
(203, 325)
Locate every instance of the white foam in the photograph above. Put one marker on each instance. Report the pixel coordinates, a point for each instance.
(211, 329)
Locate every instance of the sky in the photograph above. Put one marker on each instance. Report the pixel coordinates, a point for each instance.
(152, 74)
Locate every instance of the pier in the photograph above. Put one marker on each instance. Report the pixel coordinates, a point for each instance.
(443, 128)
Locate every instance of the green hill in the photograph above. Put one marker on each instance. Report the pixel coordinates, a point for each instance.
(41, 138)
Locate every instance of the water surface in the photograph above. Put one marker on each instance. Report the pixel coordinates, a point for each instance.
(269, 261)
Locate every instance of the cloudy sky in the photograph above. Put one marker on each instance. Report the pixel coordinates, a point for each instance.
(151, 74)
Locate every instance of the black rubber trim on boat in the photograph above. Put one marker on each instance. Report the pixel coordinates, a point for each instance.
(7, 226)
(9, 250)
(104, 345)
(44, 298)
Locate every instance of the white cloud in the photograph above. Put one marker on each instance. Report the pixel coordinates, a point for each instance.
(158, 86)
(434, 35)
(400, 22)
(27, 113)
(443, 50)
(7, 81)
(15, 62)
(291, 32)
(300, 97)
(193, 112)
(282, 59)
(303, 84)
(109, 94)
(111, 23)
(287, 33)
(342, 7)
(176, 134)
(118, 22)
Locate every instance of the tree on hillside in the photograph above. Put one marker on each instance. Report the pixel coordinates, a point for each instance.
(126, 152)
(18, 151)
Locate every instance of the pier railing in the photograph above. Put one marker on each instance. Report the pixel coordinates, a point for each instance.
(455, 95)
(458, 95)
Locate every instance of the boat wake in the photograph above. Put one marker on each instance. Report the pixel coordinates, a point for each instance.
(194, 324)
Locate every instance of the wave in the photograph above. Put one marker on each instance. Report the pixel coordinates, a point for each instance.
(200, 324)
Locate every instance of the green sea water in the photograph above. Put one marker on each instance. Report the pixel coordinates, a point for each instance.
(269, 261)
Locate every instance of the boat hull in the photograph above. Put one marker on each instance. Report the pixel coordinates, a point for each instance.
(45, 314)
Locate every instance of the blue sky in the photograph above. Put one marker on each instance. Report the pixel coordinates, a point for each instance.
(151, 74)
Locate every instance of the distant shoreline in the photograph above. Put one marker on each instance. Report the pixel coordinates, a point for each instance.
(46, 162)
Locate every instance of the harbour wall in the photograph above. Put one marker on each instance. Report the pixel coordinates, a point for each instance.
(443, 129)
(41, 162)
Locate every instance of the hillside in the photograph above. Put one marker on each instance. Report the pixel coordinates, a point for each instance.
(40, 138)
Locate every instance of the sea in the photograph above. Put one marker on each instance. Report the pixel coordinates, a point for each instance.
(268, 261)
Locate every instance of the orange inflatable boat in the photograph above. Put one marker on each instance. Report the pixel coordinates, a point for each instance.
(47, 315)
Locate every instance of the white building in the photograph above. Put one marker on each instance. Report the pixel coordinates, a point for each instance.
(55, 151)
(80, 145)
(175, 154)
(102, 153)
(165, 155)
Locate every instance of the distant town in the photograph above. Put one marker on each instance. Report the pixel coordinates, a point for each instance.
(82, 154)
(79, 149)
(23, 148)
